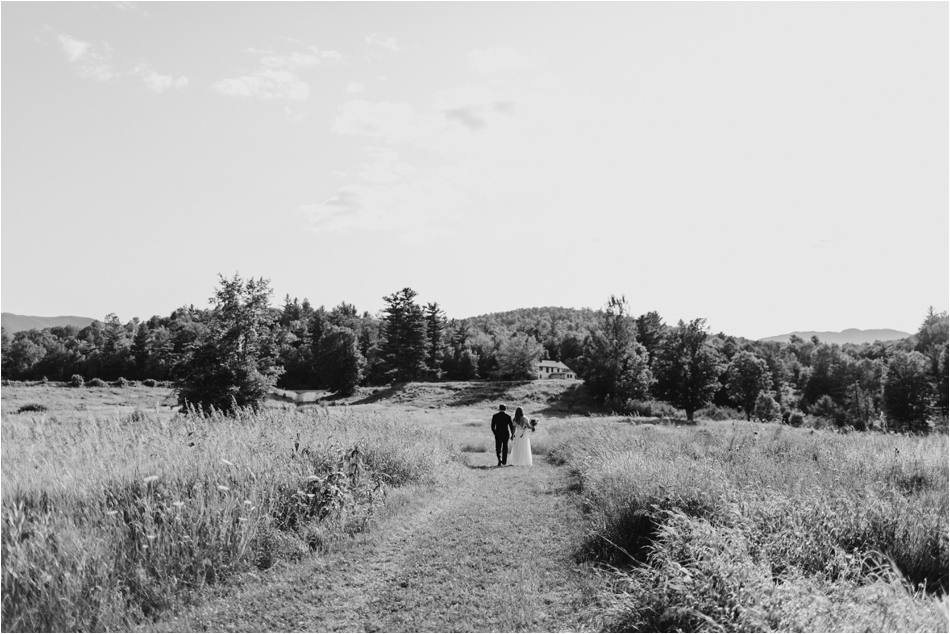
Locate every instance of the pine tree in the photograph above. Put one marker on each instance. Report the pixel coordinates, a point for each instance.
(340, 366)
(435, 328)
(404, 333)
(140, 350)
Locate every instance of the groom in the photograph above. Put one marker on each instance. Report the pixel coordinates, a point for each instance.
(503, 429)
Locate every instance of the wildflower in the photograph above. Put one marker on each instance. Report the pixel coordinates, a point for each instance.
(151, 478)
(223, 488)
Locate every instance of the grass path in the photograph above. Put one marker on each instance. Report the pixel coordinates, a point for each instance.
(490, 551)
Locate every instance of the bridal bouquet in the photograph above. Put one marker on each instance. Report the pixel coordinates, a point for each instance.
(533, 424)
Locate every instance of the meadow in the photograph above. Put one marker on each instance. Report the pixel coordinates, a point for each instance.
(735, 526)
(118, 511)
(109, 520)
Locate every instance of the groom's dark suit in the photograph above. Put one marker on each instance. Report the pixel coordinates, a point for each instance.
(503, 429)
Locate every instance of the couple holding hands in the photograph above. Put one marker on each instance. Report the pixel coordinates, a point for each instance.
(505, 428)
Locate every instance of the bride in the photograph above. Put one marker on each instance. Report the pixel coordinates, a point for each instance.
(521, 442)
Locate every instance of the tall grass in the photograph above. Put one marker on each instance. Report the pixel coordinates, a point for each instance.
(109, 521)
(725, 525)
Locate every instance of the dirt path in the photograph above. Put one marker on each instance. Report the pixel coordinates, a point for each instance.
(491, 551)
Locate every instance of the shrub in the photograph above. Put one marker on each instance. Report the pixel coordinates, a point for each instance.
(96, 382)
(150, 383)
(76, 380)
(766, 408)
(121, 382)
(645, 409)
(719, 413)
(31, 407)
(796, 419)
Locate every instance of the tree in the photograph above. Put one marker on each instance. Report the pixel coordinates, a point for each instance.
(435, 328)
(613, 363)
(746, 376)
(5, 363)
(687, 367)
(766, 407)
(518, 357)
(340, 365)
(234, 362)
(140, 350)
(907, 390)
(650, 330)
(404, 334)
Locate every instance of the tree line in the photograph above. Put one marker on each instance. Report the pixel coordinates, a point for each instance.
(235, 351)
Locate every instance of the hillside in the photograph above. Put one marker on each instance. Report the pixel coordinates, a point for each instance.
(851, 335)
(15, 323)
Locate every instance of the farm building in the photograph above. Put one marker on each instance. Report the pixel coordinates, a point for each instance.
(548, 369)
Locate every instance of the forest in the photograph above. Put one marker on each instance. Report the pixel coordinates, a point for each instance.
(630, 364)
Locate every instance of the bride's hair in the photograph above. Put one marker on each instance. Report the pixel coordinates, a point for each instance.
(519, 414)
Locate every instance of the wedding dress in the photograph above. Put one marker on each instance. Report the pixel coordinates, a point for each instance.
(520, 448)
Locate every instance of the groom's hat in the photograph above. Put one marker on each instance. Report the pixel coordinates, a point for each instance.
(502, 408)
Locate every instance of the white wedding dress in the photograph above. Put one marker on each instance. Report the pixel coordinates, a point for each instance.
(520, 448)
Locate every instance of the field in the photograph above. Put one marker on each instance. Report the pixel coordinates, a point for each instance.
(384, 512)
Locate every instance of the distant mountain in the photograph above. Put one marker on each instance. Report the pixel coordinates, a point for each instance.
(15, 323)
(851, 335)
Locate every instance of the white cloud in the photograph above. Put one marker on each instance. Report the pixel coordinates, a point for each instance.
(389, 42)
(277, 78)
(159, 83)
(415, 209)
(395, 122)
(266, 84)
(333, 56)
(92, 62)
(354, 87)
(499, 60)
(134, 7)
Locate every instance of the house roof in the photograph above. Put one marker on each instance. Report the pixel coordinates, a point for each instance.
(553, 364)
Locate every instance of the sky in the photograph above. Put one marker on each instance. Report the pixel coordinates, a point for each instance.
(769, 167)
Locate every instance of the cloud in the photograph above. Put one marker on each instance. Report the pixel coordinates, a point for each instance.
(92, 62)
(499, 60)
(133, 7)
(159, 83)
(265, 84)
(467, 117)
(412, 203)
(389, 42)
(395, 122)
(277, 78)
(354, 87)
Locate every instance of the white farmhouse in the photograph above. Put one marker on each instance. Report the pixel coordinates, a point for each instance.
(548, 369)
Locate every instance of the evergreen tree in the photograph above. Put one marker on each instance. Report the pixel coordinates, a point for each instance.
(650, 330)
(907, 391)
(140, 350)
(435, 328)
(687, 367)
(404, 334)
(340, 366)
